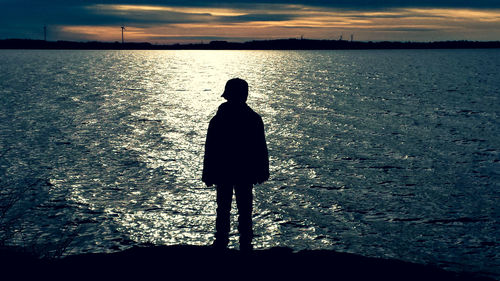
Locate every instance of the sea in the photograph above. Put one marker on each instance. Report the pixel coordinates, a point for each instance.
(384, 153)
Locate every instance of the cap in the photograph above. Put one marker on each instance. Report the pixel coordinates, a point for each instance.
(236, 89)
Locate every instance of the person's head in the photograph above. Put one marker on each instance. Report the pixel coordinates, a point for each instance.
(236, 90)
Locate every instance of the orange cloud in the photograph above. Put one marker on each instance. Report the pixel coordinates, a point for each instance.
(393, 24)
(188, 10)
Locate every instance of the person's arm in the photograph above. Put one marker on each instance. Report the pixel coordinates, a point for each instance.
(263, 167)
(208, 161)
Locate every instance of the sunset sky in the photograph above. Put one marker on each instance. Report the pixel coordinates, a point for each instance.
(195, 21)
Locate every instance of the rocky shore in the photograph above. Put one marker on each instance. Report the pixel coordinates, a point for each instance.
(194, 262)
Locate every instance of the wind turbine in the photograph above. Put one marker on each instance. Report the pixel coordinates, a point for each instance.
(123, 28)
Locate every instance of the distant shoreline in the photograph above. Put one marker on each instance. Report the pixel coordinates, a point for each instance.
(278, 44)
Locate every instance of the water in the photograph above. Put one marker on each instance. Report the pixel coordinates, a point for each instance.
(391, 153)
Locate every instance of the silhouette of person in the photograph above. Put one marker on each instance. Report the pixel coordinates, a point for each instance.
(236, 158)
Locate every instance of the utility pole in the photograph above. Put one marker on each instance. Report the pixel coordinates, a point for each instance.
(352, 37)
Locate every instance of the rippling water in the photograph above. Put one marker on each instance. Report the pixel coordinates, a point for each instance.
(382, 153)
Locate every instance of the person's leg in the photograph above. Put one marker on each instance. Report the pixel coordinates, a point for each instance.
(223, 220)
(244, 200)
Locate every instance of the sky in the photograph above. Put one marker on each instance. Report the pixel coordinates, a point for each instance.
(169, 22)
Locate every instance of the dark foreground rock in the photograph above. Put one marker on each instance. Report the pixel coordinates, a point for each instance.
(194, 262)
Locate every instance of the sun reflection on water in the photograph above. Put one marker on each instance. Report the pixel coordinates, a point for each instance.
(180, 92)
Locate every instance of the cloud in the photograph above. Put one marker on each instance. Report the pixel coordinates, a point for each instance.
(108, 12)
(194, 20)
(405, 29)
(260, 17)
(83, 13)
(353, 4)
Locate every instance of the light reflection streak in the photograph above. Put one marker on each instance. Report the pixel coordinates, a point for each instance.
(168, 135)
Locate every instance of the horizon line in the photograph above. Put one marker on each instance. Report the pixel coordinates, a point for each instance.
(253, 40)
(270, 44)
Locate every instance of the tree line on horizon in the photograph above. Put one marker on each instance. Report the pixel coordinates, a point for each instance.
(277, 44)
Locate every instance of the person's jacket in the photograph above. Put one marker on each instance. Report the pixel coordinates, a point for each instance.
(235, 148)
